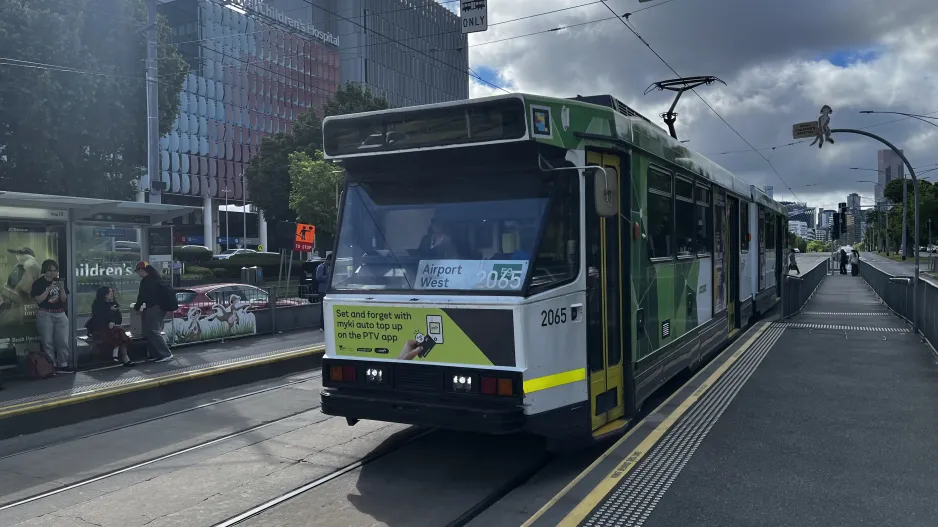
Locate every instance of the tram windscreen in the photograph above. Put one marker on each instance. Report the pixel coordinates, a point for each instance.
(424, 232)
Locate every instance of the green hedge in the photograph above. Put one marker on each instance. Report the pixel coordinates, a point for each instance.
(192, 254)
(231, 269)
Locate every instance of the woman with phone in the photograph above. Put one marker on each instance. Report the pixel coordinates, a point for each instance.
(104, 326)
(50, 292)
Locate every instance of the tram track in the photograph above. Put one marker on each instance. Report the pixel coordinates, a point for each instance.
(141, 464)
(319, 482)
(63, 442)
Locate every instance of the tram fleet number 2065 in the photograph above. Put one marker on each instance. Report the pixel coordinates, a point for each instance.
(553, 317)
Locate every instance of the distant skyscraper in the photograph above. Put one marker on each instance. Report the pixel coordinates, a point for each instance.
(889, 167)
(853, 202)
(770, 191)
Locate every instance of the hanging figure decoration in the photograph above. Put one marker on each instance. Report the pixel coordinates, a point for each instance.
(824, 127)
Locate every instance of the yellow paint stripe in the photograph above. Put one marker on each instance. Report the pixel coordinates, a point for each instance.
(552, 381)
(607, 484)
(143, 384)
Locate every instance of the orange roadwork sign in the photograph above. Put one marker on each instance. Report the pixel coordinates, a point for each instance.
(305, 237)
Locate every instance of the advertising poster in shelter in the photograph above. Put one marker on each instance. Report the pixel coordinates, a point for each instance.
(23, 248)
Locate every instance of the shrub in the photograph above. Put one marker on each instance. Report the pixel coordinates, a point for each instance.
(192, 254)
(195, 272)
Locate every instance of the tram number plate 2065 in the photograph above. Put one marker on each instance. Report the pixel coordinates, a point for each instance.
(553, 317)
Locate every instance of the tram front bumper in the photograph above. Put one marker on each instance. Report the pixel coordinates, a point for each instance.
(412, 410)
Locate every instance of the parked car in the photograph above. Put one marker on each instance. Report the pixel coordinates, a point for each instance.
(205, 297)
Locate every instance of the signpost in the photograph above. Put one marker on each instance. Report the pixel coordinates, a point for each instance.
(474, 15)
(305, 238)
(804, 130)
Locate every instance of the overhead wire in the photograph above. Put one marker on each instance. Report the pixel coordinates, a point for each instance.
(712, 109)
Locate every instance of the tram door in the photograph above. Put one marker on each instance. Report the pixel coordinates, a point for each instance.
(732, 282)
(607, 261)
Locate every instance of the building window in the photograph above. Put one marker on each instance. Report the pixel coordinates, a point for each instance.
(703, 221)
(684, 214)
(660, 214)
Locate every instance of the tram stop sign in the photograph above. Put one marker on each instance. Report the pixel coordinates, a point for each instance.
(305, 238)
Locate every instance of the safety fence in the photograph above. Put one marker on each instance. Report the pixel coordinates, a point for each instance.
(897, 292)
(797, 290)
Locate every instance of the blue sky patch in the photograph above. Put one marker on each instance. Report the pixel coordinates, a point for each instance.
(848, 57)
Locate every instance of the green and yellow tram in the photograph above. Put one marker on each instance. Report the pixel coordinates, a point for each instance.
(531, 263)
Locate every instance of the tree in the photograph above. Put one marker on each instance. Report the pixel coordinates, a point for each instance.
(74, 123)
(315, 188)
(268, 173)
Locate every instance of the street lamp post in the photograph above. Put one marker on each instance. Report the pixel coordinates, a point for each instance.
(821, 131)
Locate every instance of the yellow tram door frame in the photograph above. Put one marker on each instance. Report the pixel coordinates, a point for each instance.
(731, 260)
(603, 382)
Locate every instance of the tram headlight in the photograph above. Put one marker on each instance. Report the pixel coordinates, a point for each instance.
(462, 382)
(374, 375)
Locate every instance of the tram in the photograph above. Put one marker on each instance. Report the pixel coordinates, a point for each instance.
(527, 263)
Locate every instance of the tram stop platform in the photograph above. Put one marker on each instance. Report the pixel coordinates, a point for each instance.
(827, 419)
(28, 406)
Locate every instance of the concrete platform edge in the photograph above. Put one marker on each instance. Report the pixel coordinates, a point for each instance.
(619, 453)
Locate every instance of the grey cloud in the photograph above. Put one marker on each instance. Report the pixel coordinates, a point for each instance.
(766, 51)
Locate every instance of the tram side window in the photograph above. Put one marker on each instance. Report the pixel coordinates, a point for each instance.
(770, 234)
(684, 214)
(557, 258)
(703, 220)
(660, 214)
(744, 226)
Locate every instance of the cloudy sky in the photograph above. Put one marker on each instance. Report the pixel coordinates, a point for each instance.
(781, 60)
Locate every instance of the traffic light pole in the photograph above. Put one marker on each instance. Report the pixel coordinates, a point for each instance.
(915, 277)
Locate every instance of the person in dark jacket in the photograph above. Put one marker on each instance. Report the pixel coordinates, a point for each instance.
(104, 326)
(323, 275)
(153, 314)
(843, 261)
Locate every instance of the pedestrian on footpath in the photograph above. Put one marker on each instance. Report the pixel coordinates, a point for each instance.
(855, 263)
(50, 293)
(152, 296)
(843, 261)
(792, 264)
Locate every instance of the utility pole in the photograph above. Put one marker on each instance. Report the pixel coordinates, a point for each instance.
(153, 109)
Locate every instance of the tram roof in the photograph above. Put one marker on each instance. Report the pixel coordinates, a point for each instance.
(574, 124)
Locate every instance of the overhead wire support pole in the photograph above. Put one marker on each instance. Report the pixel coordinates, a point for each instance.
(153, 106)
(680, 85)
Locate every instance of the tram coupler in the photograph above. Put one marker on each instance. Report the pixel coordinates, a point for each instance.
(351, 421)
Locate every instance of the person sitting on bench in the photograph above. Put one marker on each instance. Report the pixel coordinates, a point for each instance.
(104, 326)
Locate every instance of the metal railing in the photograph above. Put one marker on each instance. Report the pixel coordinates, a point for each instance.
(797, 290)
(896, 292)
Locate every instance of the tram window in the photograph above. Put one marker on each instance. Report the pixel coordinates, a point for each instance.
(557, 258)
(684, 214)
(770, 234)
(660, 214)
(703, 221)
(744, 226)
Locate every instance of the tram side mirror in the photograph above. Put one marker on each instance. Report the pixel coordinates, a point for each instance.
(606, 187)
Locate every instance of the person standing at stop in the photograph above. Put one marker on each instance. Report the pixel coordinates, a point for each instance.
(50, 293)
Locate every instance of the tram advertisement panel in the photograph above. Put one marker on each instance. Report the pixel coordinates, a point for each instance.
(483, 337)
(23, 248)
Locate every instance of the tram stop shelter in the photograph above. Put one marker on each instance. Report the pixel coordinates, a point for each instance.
(95, 242)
